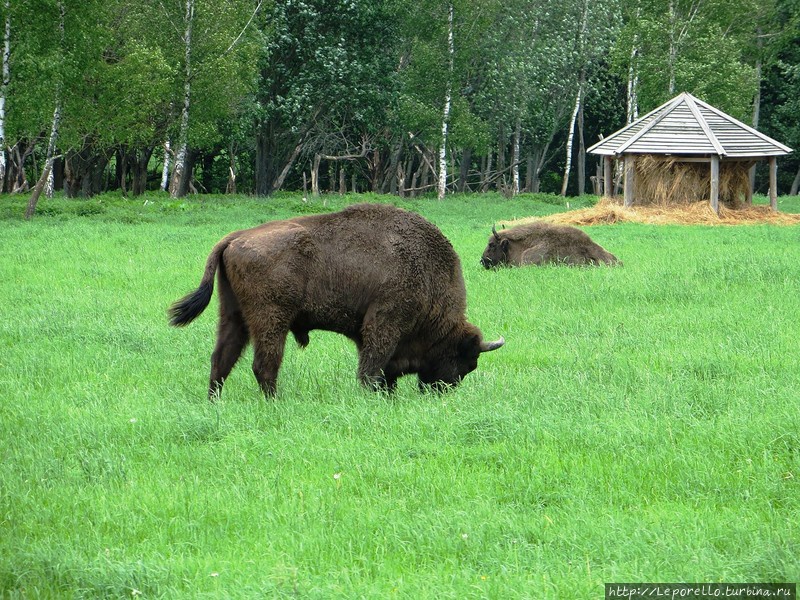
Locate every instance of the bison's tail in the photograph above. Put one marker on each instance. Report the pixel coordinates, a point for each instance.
(188, 308)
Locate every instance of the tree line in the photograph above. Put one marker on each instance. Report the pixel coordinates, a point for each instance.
(392, 96)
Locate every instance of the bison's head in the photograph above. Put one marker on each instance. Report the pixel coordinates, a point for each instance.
(455, 359)
(496, 252)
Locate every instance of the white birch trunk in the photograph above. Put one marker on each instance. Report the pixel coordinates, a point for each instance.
(487, 175)
(756, 113)
(47, 174)
(515, 158)
(757, 98)
(578, 98)
(633, 84)
(673, 48)
(677, 36)
(3, 92)
(51, 144)
(178, 187)
(165, 169)
(570, 139)
(446, 112)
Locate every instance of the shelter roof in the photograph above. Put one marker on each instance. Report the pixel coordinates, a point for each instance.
(688, 126)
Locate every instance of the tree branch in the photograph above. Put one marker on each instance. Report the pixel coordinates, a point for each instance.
(241, 33)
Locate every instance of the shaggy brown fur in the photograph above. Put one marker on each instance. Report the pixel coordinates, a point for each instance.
(539, 243)
(384, 277)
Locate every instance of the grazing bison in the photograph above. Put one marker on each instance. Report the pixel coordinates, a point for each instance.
(384, 277)
(539, 243)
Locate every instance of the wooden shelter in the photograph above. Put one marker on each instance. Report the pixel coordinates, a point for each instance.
(689, 132)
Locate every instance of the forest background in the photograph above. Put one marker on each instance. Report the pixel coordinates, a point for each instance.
(405, 97)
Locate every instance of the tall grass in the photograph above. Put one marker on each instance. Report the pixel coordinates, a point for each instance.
(641, 424)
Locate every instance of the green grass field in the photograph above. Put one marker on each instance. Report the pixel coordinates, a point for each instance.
(641, 424)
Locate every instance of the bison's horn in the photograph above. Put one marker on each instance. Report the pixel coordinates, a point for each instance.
(489, 346)
(494, 232)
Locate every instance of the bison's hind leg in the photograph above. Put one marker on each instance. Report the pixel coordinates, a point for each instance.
(232, 337)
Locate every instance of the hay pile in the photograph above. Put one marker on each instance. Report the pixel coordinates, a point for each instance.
(667, 181)
(611, 210)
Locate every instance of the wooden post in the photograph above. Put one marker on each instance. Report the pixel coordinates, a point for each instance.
(773, 183)
(715, 183)
(629, 180)
(608, 181)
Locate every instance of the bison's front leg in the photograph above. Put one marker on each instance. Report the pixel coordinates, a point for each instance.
(378, 343)
(379, 383)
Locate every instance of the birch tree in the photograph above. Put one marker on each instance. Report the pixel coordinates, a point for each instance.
(183, 83)
(581, 43)
(326, 84)
(4, 90)
(46, 180)
(670, 46)
(570, 137)
(780, 102)
(180, 182)
(447, 100)
(166, 166)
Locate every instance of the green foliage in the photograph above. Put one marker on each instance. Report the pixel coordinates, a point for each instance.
(336, 77)
(330, 60)
(702, 47)
(780, 101)
(641, 423)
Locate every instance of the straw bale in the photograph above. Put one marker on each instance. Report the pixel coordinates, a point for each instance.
(611, 210)
(666, 181)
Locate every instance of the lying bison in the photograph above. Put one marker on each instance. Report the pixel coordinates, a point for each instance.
(539, 243)
(384, 277)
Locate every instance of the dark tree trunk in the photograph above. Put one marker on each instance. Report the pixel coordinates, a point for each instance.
(377, 169)
(207, 180)
(278, 182)
(277, 149)
(230, 188)
(83, 171)
(392, 178)
(141, 160)
(186, 181)
(463, 173)
(423, 176)
(121, 173)
(529, 173)
(58, 173)
(263, 178)
(133, 163)
(15, 173)
(501, 150)
(796, 183)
